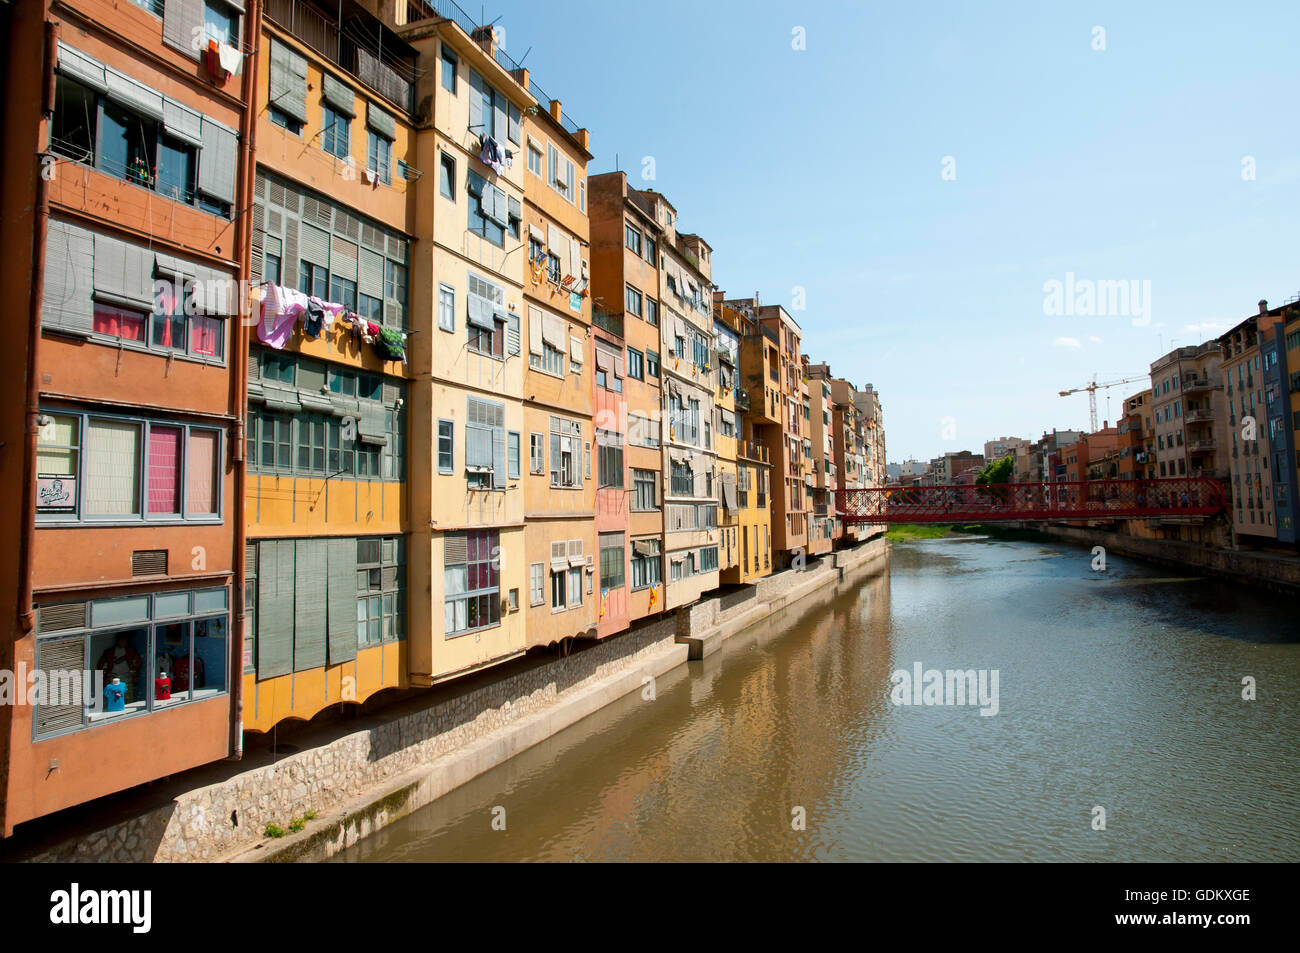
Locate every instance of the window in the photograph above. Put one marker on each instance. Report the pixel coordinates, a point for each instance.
(395, 289)
(536, 453)
(485, 444)
(550, 361)
(635, 364)
(446, 307)
(335, 132)
(379, 157)
(566, 439)
(682, 478)
(343, 291)
(609, 446)
(652, 363)
(512, 455)
(560, 172)
(220, 23)
(651, 250)
(611, 561)
(486, 321)
(381, 589)
(642, 431)
(156, 650)
(633, 301)
(447, 175)
(282, 119)
(449, 62)
(446, 446)
(647, 563)
(645, 490)
(633, 238)
(536, 584)
(471, 582)
(536, 161)
(313, 279)
(709, 559)
(651, 313)
(92, 467)
(488, 209)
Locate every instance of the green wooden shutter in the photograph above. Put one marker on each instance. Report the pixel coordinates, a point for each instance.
(275, 558)
(341, 597)
(309, 577)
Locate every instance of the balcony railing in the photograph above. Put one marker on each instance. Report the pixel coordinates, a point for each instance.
(351, 47)
(613, 323)
(1197, 384)
(1199, 416)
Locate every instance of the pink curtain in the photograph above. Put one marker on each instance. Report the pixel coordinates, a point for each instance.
(205, 335)
(164, 469)
(202, 482)
(119, 323)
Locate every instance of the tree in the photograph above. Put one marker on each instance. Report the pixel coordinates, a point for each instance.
(997, 471)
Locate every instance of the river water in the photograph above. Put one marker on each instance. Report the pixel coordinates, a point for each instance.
(1119, 690)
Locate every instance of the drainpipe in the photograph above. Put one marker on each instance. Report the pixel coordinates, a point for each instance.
(239, 366)
(26, 539)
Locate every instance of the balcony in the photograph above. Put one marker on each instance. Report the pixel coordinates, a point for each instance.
(613, 323)
(362, 47)
(771, 335)
(1200, 446)
(742, 399)
(1198, 384)
(1199, 416)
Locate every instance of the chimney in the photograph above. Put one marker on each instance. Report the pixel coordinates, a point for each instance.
(486, 38)
(556, 114)
(1263, 306)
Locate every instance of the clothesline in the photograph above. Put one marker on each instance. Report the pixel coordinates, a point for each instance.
(283, 309)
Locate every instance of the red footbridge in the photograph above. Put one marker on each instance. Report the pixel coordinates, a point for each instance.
(1090, 500)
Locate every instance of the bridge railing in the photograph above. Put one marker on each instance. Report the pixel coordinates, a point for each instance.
(1081, 500)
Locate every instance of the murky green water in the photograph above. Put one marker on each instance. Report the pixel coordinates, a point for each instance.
(1120, 690)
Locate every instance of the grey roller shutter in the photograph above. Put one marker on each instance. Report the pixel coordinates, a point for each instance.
(66, 303)
(310, 574)
(133, 93)
(380, 121)
(315, 245)
(288, 91)
(500, 123)
(341, 598)
(60, 655)
(275, 560)
(124, 272)
(370, 424)
(79, 66)
(260, 244)
(514, 124)
(180, 19)
(476, 104)
(339, 95)
(183, 122)
(343, 258)
(370, 279)
(218, 160)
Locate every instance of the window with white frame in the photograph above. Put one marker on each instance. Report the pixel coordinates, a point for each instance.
(566, 452)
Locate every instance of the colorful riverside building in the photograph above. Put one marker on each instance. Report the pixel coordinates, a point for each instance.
(847, 431)
(561, 477)
(1253, 464)
(752, 460)
(690, 456)
(771, 375)
(626, 314)
(824, 526)
(328, 494)
(125, 243)
(726, 435)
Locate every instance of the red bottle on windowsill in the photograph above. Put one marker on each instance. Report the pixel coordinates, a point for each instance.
(162, 687)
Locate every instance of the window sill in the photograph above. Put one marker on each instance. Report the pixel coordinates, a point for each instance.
(97, 719)
(110, 523)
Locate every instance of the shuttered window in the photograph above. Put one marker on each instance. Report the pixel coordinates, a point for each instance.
(485, 444)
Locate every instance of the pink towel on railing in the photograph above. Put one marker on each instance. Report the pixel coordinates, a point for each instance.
(280, 310)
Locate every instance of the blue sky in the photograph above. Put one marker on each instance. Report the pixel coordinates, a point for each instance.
(822, 169)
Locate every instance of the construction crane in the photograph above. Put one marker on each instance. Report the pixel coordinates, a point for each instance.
(1092, 389)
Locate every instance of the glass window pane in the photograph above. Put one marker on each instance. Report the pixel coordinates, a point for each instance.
(113, 468)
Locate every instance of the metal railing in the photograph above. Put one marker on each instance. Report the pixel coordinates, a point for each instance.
(613, 323)
(383, 73)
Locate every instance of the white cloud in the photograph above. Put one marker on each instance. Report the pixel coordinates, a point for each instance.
(1212, 326)
(1067, 342)
(1094, 339)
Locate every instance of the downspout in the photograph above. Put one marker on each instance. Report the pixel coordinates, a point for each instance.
(239, 365)
(26, 539)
